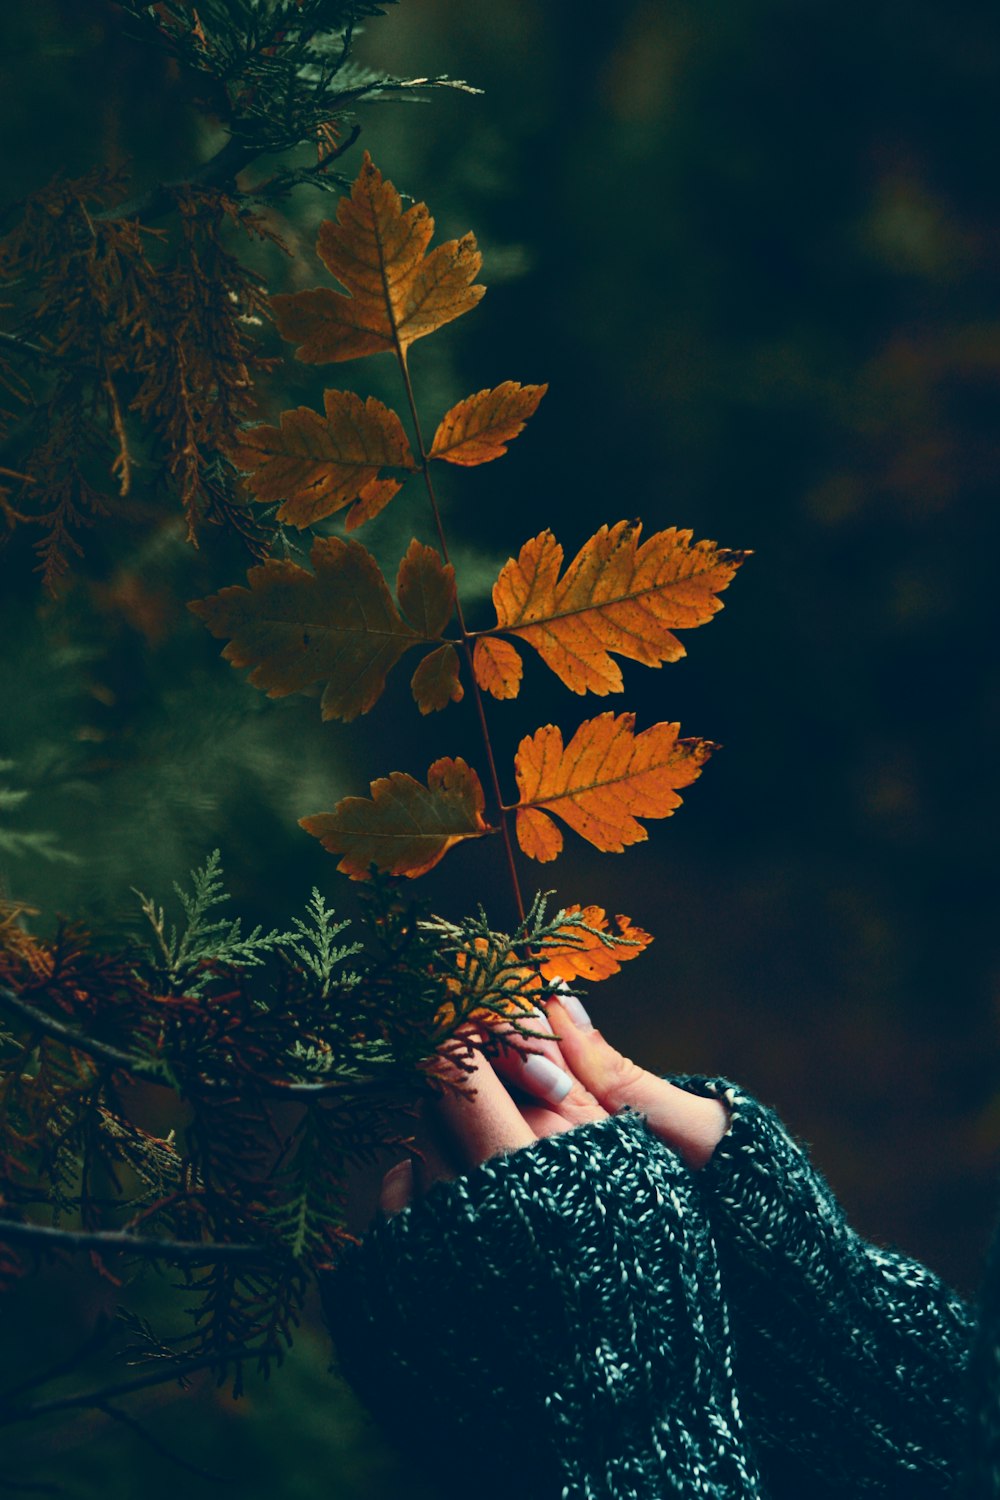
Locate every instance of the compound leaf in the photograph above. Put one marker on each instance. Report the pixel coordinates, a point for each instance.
(336, 625)
(479, 428)
(602, 782)
(615, 596)
(316, 465)
(404, 828)
(396, 290)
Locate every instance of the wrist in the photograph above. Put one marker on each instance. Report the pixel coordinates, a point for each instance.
(700, 1124)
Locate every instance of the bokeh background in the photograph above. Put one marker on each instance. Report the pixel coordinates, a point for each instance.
(754, 250)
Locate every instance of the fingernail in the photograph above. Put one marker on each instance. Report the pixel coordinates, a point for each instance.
(575, 1010)
(540, 1020)
(397, 1188)
(545, 1078)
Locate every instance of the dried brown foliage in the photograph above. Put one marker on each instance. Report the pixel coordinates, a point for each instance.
(132, 359)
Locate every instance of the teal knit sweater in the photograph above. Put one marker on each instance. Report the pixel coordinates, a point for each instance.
(588, 1317)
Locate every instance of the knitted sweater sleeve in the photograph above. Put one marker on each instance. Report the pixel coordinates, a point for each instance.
(551, 1325)
(848, 1357)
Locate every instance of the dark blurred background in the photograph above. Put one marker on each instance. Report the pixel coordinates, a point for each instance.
(754, 250)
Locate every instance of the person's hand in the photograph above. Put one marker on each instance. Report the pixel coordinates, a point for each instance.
(563, 1083)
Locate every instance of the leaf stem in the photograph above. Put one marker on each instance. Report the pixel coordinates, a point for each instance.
(425, 465)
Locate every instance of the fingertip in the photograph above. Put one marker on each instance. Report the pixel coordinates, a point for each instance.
(544, 1078)
(690, 1123)
(575, 1009)
(573, 1033)
(531, 1059)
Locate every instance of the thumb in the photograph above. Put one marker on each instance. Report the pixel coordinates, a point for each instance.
(691, 1124)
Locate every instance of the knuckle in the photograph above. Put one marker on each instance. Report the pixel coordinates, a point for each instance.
(580, 1105)
(621, 1075)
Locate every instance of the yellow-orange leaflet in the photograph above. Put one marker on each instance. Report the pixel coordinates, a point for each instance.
(479, 428)
(404, 828)
(584, 956)
(396, 290)
(601, 782)
(615, 596)
(497, 666)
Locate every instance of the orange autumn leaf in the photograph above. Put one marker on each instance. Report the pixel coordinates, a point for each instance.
(479, 428)
(584, 955)
(396, 289)
(436, 682)
(497, 666)
(316, 465)
(602, 782)
(404, 828)
(615, 596)
(337, 624)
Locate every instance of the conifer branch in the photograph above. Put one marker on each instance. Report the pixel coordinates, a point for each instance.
(221, 170)
(45, 1238)
(20, 345)
(154, 1072)
(52, 1027)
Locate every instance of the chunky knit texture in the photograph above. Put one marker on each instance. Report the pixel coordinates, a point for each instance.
(589, 1317)
(848, 1357)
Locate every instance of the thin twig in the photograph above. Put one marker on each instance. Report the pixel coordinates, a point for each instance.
(221, 169)
(120, 1242)
(180, 1371)
(122, 465)
(477, 696)
(60, 1032)
(153, 1442)
(28, 347)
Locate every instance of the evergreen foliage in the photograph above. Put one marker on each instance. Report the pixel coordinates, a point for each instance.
(128, 352)
(288, 1055)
